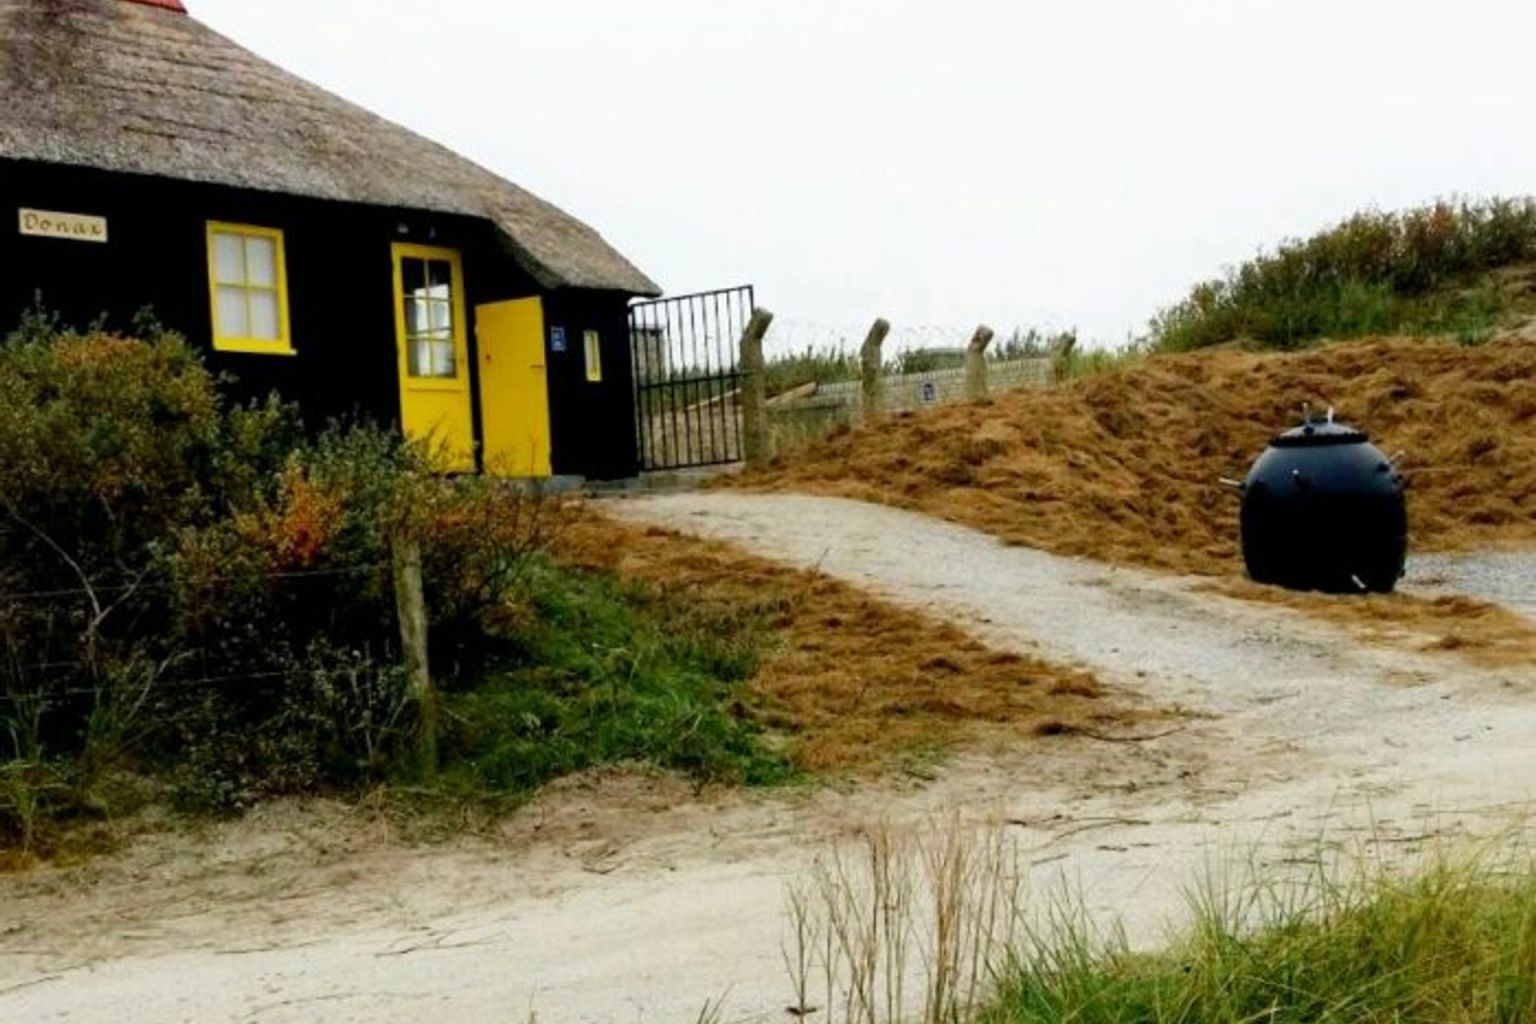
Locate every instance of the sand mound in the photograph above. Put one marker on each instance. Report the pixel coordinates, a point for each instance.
(1123, 466)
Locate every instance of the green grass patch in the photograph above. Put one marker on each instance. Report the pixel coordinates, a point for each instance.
(1078, 363)
(1435, 270)
(1453, 943)
(597, 671)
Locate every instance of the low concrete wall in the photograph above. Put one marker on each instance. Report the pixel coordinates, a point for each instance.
(796, 420)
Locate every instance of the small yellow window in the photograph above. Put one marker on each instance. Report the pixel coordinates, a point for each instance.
(248, 287)
(594, 346)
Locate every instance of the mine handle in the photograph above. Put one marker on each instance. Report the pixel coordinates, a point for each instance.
(1236, 485)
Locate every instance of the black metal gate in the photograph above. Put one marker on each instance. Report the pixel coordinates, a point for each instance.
(688, 377)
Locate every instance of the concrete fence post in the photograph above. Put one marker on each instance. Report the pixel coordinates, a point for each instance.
(872, 366)
(754, 389)
(976, 364)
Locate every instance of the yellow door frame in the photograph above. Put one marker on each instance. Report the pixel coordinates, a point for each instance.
(436, 409)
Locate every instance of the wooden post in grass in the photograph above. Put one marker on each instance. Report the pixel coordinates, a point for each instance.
(872, 367)
(411, 609)
(976, 364)
(754, 389)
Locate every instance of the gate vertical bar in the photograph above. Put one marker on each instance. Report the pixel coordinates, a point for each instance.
(700, 410)
(725, 401)
(676, 386)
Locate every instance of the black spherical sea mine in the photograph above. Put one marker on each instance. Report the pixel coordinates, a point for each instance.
(1324, 509)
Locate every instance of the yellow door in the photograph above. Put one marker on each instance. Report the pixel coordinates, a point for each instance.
(434, 360)
(514, 388)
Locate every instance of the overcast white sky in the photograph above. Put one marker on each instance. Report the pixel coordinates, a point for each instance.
(1067, 163)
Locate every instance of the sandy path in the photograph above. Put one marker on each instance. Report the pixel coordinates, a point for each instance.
(625, 900)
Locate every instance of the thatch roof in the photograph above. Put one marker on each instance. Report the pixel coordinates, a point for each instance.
(141, 88)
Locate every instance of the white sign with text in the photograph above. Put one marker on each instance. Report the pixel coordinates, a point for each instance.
(76, 227)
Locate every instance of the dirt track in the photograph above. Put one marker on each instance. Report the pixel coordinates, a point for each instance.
(624, 900)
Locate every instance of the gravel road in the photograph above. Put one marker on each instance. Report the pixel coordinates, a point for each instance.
(1506, 577)
(642, 905)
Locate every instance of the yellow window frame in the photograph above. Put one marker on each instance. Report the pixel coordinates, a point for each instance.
(460, 381)
(282, 345)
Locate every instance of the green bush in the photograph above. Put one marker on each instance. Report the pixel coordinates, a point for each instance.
(1421, 271)
(196, 589)
(1033, 344)
(108, 448)
(827, 365)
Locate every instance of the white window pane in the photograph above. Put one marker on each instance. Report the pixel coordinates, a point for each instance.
(442, 316)
(229, 259)
(444, 363)
(419, 357)
(264, 318)
(261, 262)
(416, 317)
(232, 316)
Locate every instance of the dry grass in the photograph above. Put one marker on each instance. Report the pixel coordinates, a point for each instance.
(1482, 632)
(1123, 466)
(890, 927)
(850, 679)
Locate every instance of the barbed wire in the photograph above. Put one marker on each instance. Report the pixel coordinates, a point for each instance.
(788, 336)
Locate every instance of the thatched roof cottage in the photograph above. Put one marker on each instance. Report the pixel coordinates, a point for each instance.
(308, 245)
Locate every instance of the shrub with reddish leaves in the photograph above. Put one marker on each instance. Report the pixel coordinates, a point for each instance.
(201, 586)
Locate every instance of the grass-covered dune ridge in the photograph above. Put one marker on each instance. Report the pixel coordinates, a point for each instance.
(1447, 268)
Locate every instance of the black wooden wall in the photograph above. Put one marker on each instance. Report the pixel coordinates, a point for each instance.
(340, 288)
(593, 424)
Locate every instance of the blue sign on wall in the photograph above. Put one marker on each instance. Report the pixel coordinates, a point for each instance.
(557, 339)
